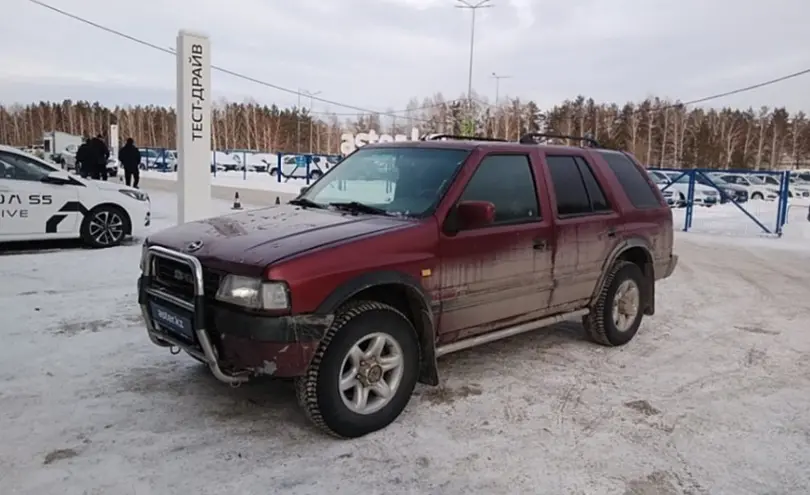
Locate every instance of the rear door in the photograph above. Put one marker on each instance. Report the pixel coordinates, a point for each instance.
(586, 226)
(498, 275)
(646, 215)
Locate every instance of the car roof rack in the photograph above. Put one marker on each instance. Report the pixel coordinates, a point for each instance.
(436, 137)
(531, 138)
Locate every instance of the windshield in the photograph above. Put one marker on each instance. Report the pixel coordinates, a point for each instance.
(400, 181)
(22, 166)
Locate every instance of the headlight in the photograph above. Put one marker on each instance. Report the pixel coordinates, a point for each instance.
(773, 191)
(139, 195)
(253, 293)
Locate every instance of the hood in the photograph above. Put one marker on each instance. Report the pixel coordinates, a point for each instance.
(107, 185)
(246, 242)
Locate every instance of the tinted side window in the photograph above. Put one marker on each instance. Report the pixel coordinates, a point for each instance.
(635, 185)
(595, 193)
(572, 195)
(507, 182)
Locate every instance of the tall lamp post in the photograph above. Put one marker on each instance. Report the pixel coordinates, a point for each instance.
(480, 4)
(298, 126)
(311, 95)
(497, 95)
(498, 85)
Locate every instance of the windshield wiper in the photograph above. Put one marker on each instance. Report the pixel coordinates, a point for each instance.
(306, 203)
(358, 207)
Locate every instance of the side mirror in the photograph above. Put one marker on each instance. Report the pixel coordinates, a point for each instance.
(57, 177)
(474, 214)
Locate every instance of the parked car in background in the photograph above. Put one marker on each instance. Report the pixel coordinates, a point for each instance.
(729, 191)
(757, 188)
(796, 189)
(703, 195)
(290, 167)
(158, 159)
(43, 202)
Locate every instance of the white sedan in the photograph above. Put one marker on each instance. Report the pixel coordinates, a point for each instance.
(38, 202)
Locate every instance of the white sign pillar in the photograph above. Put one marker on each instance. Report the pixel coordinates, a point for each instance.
(114, 143)
(193, 127)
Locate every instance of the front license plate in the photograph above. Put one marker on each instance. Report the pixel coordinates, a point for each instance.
(175, 322)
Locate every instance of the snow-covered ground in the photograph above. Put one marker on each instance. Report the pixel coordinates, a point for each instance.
(713, 396)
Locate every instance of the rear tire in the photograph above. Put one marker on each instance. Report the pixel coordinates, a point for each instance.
(105, 226)
(616, 316)
(363, 373)
(757, 195)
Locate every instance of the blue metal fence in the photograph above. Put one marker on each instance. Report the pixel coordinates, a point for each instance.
(702, 176)
(303, 166)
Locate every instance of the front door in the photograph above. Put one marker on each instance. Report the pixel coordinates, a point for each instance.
(29, 207)
(586, 228)
(498, 275)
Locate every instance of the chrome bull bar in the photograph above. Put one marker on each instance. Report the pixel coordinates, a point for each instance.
(196, 307)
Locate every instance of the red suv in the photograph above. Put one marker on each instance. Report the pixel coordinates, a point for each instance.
(358, 285)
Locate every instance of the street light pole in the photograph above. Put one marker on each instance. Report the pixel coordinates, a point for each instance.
(298, 126)
(497, 96)
(464, 4)
(311, 95)
(498, 85)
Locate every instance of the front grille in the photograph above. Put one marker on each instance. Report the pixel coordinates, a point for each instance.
(176, 277)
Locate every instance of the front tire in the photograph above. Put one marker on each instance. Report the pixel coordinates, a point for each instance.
(104, 226)
(758, 196)
(616, 316)
(363, 373)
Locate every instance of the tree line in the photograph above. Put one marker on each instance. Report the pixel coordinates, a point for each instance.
(658, 132)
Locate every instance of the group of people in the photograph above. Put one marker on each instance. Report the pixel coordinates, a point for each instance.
(93, 154)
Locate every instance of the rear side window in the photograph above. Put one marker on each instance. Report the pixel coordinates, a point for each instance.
(576, 189)
(635, 185)
(597, 197)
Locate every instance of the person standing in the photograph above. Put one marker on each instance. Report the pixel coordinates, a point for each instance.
(100, 154)
(84, 159)
(130, 157)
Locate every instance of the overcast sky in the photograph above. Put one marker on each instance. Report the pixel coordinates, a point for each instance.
(378, 53)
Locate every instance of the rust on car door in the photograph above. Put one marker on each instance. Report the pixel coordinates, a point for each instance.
(496, 275)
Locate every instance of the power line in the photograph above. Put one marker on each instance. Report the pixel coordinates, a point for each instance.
(390, 113)
(217, 68)
(363, 111)
(744, 89)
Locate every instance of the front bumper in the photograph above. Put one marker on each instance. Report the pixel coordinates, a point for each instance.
(141, 217)
(236, 345)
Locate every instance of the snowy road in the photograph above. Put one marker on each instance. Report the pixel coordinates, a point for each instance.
(713, 396)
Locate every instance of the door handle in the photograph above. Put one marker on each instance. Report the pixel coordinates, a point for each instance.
(540, 244)
(611, 232)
